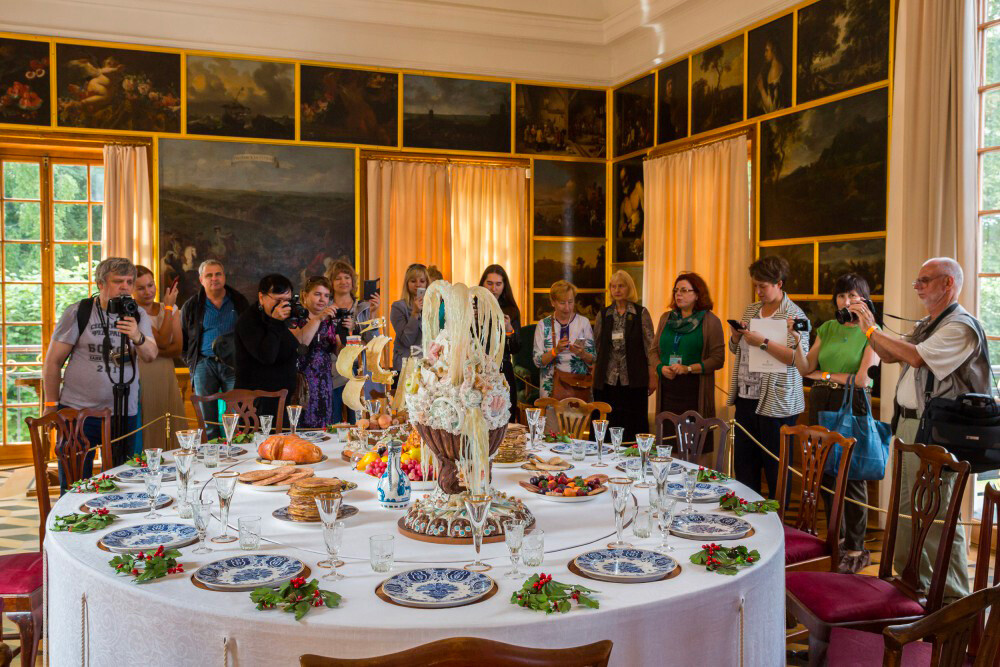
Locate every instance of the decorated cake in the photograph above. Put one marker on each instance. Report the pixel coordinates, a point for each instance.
(445, 519)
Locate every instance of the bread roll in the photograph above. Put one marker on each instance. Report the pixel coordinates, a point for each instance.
(289, 448)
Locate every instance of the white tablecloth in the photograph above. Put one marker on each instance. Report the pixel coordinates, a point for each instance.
(97, 618)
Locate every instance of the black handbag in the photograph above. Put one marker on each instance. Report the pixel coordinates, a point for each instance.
(224, 347)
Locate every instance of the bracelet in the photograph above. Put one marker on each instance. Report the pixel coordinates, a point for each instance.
(827, 376)
(142, 339)
(51, 404)
(872, 329)
(169, 308)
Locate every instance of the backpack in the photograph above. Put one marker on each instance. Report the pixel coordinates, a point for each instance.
(83, 311)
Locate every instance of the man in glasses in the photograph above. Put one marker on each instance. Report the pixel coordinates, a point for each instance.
(948, 344)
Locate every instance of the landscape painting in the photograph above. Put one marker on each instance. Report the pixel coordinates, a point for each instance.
(219, 199)
(233, 97)
(580, 262)
(633, 128)
(769, 63)
(24, 82)
(823, 170)
(628, 211)
(672, 98)
(349, 105)
(800, 262)
(569, 199)
(717, 86)
(865, 257)
(842, 44)
(561, 121)
(456, 114)
(118, 89)
(588, 304)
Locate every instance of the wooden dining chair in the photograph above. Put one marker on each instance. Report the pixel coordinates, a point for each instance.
(693, 434)
(810, 446)
(466, 651)
(241, 402)
(573, 414)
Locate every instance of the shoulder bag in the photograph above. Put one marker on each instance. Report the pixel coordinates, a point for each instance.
(570, 385)
(871, 447)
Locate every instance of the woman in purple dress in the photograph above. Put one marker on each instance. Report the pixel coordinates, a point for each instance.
(319, 335)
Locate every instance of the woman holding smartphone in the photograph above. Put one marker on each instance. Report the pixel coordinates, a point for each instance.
(495, 279)
(405, 314)
(564, 340)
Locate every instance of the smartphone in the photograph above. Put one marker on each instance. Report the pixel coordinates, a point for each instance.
(177, 281)
(370, 289)
(421, 291)
(736, 325)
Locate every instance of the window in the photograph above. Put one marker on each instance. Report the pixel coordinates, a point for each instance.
(988, 280)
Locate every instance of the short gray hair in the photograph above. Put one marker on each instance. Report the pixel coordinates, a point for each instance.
(949, 267)
(117, 265)
(207, 263)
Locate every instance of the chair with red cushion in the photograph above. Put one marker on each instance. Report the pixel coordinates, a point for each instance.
(812, 445)
(822, 601)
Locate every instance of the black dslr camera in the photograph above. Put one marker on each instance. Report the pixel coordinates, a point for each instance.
(298, 315)
(844, 316)
(800, 324)
(123, 305)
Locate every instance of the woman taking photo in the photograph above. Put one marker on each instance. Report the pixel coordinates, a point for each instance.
(319, 335)
(841, 352)
(495, 279)
(349, 314)
(404, 315)
(564, 342)
(765, 401)
(625, 371)
(690, 348)
(159, 390)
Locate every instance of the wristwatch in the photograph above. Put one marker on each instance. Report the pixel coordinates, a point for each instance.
(763, 345)
(142, 339)
(689, 369)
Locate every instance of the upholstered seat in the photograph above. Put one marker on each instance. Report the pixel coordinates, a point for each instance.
(856, 648)
(835, 597)
(801, 546)
(20, 574)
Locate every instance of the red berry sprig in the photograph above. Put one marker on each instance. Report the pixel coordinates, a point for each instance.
(724, 560)
(295, 596)
(155, 565)
(541, 593)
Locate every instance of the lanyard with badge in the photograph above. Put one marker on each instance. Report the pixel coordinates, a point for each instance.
(674, 357)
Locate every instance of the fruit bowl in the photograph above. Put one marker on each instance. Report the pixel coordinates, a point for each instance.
(562, 488)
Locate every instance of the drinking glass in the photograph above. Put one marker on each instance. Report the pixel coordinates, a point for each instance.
(184, 462)
(540, 432)
(477, 508)
(294, 412)
(265, 424)
(533, 548)
(202, 513)
(642, 524)
(380, 552)
(620, 494)
(514, 537)
(600, 429)
(667, 508)
(690, 484)
(631, 466)
(532, 415)
(333, 537)
(328, 505)
(153, 479)
(578, 449)
(186, 438)
(249, 528)
(154, 457)
(229, 423)
(664, 451)
(645, 442)
(211, 455)
(617, 433)
(225, 485)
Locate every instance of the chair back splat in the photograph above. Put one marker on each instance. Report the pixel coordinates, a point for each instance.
(573, 414)
(241, 402)
(694, 434)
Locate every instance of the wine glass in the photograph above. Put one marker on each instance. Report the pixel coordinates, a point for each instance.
(294, 412)
(532, 416)
(333, 537)
(184, 462)
(690, 484)
(514, 537)
(328, 505)
(225, 485)
(617, 434)
(600, 429)
(540, 432)
(229, 423)
(667, 507)
(186, 439)
(153, 479)
(661, 473)
(620, 494)
(265, 424)
(664, 450)
(154, 457)
(477, 508)
(645, 442)
(202, 513)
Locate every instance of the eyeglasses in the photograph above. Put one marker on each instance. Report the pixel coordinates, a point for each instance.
(924, 281)
(682, 290)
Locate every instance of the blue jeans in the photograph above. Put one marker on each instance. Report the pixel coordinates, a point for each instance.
(92, 431)
(211, 376)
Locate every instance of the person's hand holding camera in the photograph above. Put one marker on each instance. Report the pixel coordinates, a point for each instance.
(281, 310)
(418, 304)
(796, 336)
(866, 319)
(375, 303)
(129, 327)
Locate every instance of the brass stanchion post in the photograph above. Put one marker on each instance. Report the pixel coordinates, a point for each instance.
(166, 419)
(731, 444)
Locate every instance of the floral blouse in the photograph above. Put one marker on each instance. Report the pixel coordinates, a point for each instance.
(579, 329)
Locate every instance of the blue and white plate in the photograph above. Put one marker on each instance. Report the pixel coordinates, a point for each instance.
(436, 587)
(704, 492)
(126, 503)
(675, 468)
(715, 526)
(245, 573)
(316, 437)
(237, 450)
(149, 536)
(625, 565)
(135, 475)
(567, 448)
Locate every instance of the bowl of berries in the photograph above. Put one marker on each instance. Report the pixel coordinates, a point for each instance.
(564, 489)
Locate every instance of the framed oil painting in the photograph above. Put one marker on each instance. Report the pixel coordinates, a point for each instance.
(672, 100)
(633, 128)
(24, 82)
(580, 262)
(233, 97)
(629, 215)
(842, 44)
(561, 121)
(769, 67)
(569, 199)
(865, 257)
(348, 105)
(800, 262)
(717, 86)
(456, 114)
(219, 199)
(588, 304)
(118, 89)
(823, 170)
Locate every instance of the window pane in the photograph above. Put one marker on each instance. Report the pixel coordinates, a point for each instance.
(67, 295)
(991, 117)
(23, 261)
(21, 180)
(990, 173)
(96, 220)
(995, 353)
(989, 305)
(97, 184)
(69, 182)
(22, 303)
(21, 384)
(24, 335)
(992, 47)
(22, 221)
(70, 222)
(71, 262)
(992, 9)
(17, 358)
(990, 243)
(17, 430)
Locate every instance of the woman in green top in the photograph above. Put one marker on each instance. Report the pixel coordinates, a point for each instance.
(841, 351)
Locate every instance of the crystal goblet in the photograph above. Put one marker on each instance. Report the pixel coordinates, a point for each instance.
(514, 537)
(328, 505)
(600, 429)
(202, 513)
(645, 443)
(153, 479)
(294, 412)
(617, 434)
(225, 485)
(229, 424)
(620, 494)
(477, 508)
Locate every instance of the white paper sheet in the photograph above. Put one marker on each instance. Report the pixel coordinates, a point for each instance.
(775, 330)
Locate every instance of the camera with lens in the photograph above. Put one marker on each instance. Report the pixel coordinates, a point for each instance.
(123, 305)
(298, 315)
(800, 324)
(844, 316)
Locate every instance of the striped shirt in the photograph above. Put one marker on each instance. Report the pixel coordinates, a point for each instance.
(216, 322)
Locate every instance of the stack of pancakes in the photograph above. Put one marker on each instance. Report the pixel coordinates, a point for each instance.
(302, 496)
(513, 448)
(275, 476)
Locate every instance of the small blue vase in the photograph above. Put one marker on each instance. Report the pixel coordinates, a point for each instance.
(394, 486)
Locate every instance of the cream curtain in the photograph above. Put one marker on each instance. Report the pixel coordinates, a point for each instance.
(697, 219)
(128, 219)
(489, 224)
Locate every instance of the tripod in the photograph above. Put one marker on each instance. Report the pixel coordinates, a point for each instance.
(119, 388)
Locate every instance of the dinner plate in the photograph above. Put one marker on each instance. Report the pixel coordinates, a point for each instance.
(345, 486)
(147, 536)
(282, 513)
(567, 448)
(512, 464)
(245, 573)
(565, 499)
(237, 450)
(437, 587)
(272, 462)
(135, 475)
(716, 526)
(315, 437)
(126, 503)
(675, 468)
(530, 466)
(625, 565)
(704, 492)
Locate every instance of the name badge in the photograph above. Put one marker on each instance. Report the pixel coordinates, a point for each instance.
(617, 335)
(674, 359)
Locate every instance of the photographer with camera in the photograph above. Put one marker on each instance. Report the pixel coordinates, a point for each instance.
(89, 334)
(765, 401)
(266, 348)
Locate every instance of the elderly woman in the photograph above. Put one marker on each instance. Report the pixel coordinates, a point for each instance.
(564, 344)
